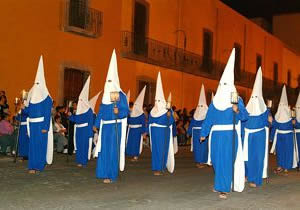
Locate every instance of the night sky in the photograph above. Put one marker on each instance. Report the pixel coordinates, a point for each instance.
(264, 8)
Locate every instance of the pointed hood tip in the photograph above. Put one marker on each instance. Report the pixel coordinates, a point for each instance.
(201, 110)
(137, 109)
(160, 102)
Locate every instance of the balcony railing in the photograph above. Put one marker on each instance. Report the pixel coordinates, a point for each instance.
(161, 54)
(80, 19)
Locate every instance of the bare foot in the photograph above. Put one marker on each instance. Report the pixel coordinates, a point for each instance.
(157, 173)
(213, 190)
(199, 165)
(134, 159)
(223, 195)
(79, 165)
(252, 185)
(278, 170)
(31, 171)
(107, 181)
(286, 172)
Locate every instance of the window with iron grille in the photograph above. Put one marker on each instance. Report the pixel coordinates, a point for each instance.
(207, 50)
(237, 61)
(275, 73)
(78, 11)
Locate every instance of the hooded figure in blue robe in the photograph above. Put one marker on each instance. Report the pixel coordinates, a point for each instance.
(218, 126)
(40, 123)
(256, 135)
(83, 128)
(200, 149)
(136, 128)
(111, 122)
(297, 127)
(283, 137)
(160, 131)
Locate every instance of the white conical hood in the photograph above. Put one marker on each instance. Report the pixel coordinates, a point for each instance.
(159, 108)
(137, 108)
(112, 82)
(83, 101)
(128, 96)
(222, 99)
(256, 105)
(201, 110)
(39, 89)
(283, 113)
(93, 101)
(297, 107)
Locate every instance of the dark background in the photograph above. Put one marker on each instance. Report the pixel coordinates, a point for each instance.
(264, 8)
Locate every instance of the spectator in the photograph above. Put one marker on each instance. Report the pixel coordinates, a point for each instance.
(7, 135)
(4, 108)
(181, 132)
(59, 135)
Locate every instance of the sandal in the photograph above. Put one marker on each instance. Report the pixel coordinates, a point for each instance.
(253, 185)
(157, 173)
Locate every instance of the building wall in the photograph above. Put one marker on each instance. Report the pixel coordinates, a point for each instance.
(29, 31)
(287, 28)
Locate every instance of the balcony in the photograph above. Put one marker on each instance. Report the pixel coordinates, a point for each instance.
(79, 19)
(161, 54)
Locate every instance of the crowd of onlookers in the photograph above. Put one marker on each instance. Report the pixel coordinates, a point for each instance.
(8, 133)
(63, 129)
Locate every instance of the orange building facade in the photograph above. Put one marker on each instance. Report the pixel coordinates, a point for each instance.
(188, 41)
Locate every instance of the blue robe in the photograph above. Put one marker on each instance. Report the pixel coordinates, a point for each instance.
(38, 141)
(134, 135)
(83, 135)
(23, 146)
(221, 143)
(297, 127)
(200, 149)
(256, 147)
(284, 145)
(109, 155)
(160, 140)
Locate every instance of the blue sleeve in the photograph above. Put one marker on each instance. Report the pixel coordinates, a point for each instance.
(47, 115)
(189, 131)
(273, 130)
(208, 123)
(174, 130)
(243, 114)
(18, 117)
(91, 123)
(123, 106)
(98, 119)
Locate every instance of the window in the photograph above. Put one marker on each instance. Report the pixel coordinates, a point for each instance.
(275, 73)
(237, 62)
(74, 80)
(289, 78)
(207, 50)
(258, 61)
(140, 27)
(77, 13)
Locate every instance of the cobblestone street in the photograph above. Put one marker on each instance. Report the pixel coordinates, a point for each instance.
(64, 186)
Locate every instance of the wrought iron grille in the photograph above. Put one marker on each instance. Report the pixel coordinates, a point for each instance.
(161, 54)
(79, 18)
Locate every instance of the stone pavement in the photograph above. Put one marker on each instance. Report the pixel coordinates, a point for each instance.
(64, 186)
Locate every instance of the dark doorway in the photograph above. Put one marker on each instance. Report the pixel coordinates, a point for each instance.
(140, 28)
(74, 80)
(150, 91)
